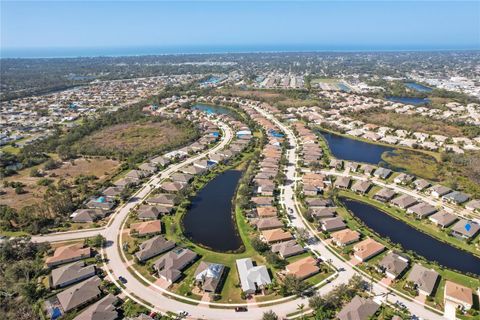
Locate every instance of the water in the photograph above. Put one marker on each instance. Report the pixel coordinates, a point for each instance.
(211, 80)
(211, 109)
(412, 239)
(354, 150)
(418, 87)
(409, 100)
(209, 221)
(343, 87)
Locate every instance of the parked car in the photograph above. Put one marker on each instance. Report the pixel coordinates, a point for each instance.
(241, 309)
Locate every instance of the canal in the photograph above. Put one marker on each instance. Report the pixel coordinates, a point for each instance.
(418, 87)
(209, 221)
(354, 150)
(409, 100)
(412, 239)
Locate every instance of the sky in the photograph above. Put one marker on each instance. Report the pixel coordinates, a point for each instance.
(256, 24)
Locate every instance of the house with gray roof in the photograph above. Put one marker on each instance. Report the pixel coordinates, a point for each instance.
(456, 197)
(342, 182)
(209, 276)
(393, 265)
(358, 309)
(443, 218)
(160, 161)
(164, 199)
(71, 273)
(322, 213)
(333, 224)
(422, 210)
(153, 247)
(361, 187)
(368, 169)
(104, 309)
(181, 177)
(404, 201)
(80, 294)
(384, 195)
(87, 215)
(465, 229)
(287, 248)
(382, 173)
(148, 168)
(318, 202)
(252, 278)
(473, 205)
(403, 178)
(169, 266)
(425, 280)
(438, 190)
(268, 223)
(112, 192)
(421, 184)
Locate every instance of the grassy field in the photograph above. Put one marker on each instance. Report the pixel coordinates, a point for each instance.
(129, 137)
(418, 163)
(100, 167)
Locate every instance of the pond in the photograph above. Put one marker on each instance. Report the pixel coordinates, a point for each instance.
(354, 150)
(209, 222)
(409, 100)
(418, 87)
(412, 239)
(211, 109)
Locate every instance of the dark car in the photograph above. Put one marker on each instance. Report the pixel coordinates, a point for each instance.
(122, 279)
(241, 309)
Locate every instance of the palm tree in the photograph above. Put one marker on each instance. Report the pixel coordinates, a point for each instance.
(300, 308)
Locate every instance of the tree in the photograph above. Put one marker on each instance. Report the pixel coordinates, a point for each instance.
(274, 259)
(292, 285)
(97, 242)
(259, 245)
(269, 315)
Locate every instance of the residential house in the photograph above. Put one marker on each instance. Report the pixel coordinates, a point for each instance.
(345, 237)
(322, 213)
(153, 247)
(149, 212)
(169, 266)
(438, 190)
(393, 265)
(342, 182)
(403, 178)
(404, 201)
(332, 224)
(209, 276)
(111, 193)
(361, 187)
(473, 205)
(422, 210)
(368, 169)
(268, 223)
(68, 253)
(421, 184)
(87, 215)
(80, 294)
(103, 309)
(358, 309)
(384, 195)
(276, 235)
(161, 161)
(287, 248)
(456, 197)
(318, 202)
(459, 295)
(266, 211)
(148, 168)
(425, 280)
(172, 187)
(465, 229)
(146, 228)
(163, 199)
(303, 268)
(382, 173)
(443, 218)
(70, 273)
(181, 177)
(367, 249)
(252, 278)
(262, 201)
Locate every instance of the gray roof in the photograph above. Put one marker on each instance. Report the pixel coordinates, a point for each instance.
(361, 186)
(87, 215)
(385, 193)
(103, 309)
(288, 248)
(71, 273)
(404, 201)
(321, 213)
(421, 184)
(425, 279)
(382, 173)
(461, 228)
(342, 182)
(79, 294)
(441, 190)
(358, 309)
(170, 264)
(153, 247)
(163, 199)
(209, 274)
(422, 209)
(457, 197)
(318, 202)
(394, 263)
(252, 277)
(333, 224)
(269, 223)
(443, 218)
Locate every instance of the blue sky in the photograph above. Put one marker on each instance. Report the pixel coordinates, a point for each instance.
(379, 24)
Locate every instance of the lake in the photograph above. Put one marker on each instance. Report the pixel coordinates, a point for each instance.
(211, 109)
(354, 150)
(209, 221)
(412, 239)
(409, 100)
(418, 87)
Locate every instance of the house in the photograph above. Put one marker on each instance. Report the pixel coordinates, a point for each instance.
(112, 192)
(421, 184)
(361, 187)
(333, 224)
(268, 223)
(403, 178)
(124, 182)
(209, 275)
(161, 161)
(80, 294)
(382, 173)
(358, 309)
(148, 168)
(336, 164)
(368, 169)
(287, 248)
(311, 189)
(422, 210)
(266, 211)
(460, 295)
(438, 190)
(303, 268)
(384, 195)
(101, 203)
(276, 235)
(353, 166)
(70, 273)
(393, 265)
(146, 228)
(194, 170)
(342, 182)
(404, 201)
(153, 247)
(345, 237)
(367, 249)
(443, 218)
(252, 278)
(135, 175)
(87, 215)
(148, 212)
(322, 213)
(169, 266)
(181, 177)
(164, 199)
(68, 253)
(473, 205)
(172, 187)
(262, 201)
(465, 229)
(425, 280)
(318, 202)
(103, 309)
(456, 197)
